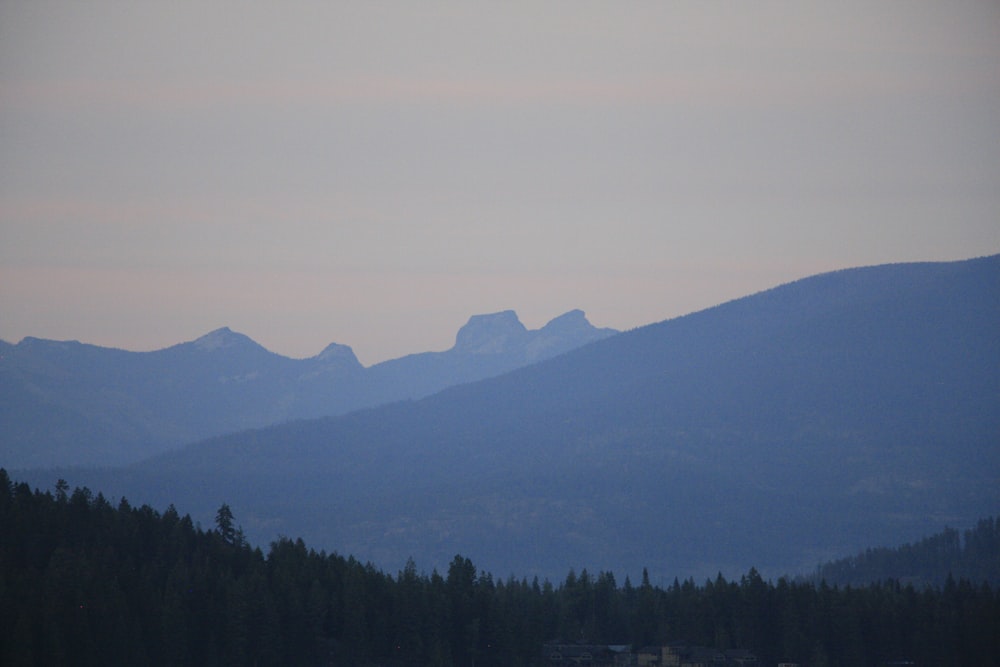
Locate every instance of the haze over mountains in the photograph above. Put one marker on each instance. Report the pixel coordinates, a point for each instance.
(67, 403)
(848, 410)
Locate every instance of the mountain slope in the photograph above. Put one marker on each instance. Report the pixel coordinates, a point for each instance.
(778, 430)
(930, 562)
(67, 403)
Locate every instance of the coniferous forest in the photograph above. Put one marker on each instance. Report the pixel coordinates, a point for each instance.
(929, 562)
(85, 581)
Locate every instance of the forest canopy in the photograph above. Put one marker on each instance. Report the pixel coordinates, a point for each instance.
(87, 581)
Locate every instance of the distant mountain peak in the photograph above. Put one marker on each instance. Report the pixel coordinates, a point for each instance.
(503, 333)
(223, 338)
(489, 334)
(574, 315)
(28, 341)
(341, 355)
(563, 333)
(574, 320)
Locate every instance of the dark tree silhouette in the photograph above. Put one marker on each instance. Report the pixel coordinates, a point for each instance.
(224, 523)
(84, 581)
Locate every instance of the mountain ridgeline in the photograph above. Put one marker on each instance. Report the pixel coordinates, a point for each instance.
(67, 403)
(781, 430)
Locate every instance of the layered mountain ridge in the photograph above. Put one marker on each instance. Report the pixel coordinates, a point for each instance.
(70, 403)
(789, 427)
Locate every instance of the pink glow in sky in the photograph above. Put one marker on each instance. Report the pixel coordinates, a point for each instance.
(375, 173)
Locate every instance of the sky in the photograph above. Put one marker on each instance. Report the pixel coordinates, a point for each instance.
(374, 173)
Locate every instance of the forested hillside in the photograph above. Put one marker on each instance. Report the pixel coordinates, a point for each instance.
(972, 555)
(87, 581)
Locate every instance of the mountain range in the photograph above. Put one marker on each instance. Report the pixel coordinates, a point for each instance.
(68, 403)
(787, 428)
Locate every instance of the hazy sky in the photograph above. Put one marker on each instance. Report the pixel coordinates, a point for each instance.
(373, 173)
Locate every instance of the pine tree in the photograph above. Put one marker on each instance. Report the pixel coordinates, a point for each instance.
(224, 523)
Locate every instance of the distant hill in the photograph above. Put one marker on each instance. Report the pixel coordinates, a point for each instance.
(972, 555)
(780, 431)
(67, 403)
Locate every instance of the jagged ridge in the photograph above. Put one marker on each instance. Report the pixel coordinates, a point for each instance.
(70, 403)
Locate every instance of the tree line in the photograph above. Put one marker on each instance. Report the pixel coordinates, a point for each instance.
(973, 554)
(85, 581)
